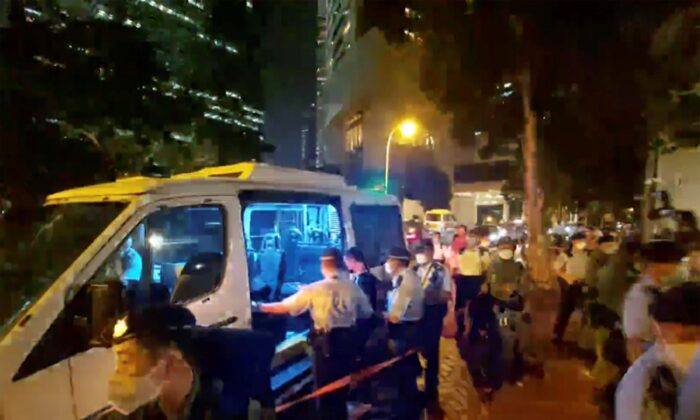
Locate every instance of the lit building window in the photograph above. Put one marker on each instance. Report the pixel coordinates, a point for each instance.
(353, 134)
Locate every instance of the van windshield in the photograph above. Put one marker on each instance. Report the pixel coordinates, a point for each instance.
(38, 244)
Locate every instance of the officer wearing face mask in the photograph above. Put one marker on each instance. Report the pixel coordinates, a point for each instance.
(335, 304)
(437, 285)
(660, 383)
(405, 305)
(571, 269)
(153, 377)
(661, 260)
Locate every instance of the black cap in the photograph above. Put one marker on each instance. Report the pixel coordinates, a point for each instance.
(162, 323)
(333, 254)
(606, 238)
(506, 241)
(578, 236)
(399, 253)
(425, 246)
(677, 305)
(662, 251)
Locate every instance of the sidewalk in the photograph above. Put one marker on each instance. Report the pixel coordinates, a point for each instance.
(565, 390)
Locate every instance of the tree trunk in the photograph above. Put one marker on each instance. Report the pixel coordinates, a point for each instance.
(534, 200)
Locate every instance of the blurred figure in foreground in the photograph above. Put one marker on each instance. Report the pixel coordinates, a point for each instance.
(661, 260)
(651, 387)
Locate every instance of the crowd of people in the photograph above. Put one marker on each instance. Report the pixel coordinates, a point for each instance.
(639, 334)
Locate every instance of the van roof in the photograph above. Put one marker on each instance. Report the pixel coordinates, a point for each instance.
(240, 174)
(439, 211)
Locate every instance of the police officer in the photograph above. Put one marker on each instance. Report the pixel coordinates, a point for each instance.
(504, 283)
(571, 270)
(335, 304)
(437, 285)
(405, 305)
(662, 260)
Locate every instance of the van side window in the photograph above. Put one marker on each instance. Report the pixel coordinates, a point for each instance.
(173, 254)
(377, 229)
(285, 235)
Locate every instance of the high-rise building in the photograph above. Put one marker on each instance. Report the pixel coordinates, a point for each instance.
(235, 101)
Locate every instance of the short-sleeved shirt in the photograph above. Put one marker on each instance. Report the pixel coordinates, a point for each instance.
(406, 298)
(471, 263)
(333, 303)
(636, 321)
(574, 265)
(434, 279)
(504, 277)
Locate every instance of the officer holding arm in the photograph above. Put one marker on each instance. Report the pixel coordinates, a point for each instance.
(404, 312)
(335, 304)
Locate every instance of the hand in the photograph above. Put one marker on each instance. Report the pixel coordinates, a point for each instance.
(393, 319)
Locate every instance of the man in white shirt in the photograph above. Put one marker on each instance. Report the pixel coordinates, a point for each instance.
(661, 261)
(335, 304)
(571, 270)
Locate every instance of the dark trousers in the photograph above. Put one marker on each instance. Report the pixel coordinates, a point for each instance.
(333, 358)
(431, 330)
(403, 337)
(468, 287)
(571, 299)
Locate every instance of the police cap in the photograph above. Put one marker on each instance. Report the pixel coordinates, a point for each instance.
(154, 325)
(662, 251)
(506, 241)
(399, 253)
(424, 247)
(606, 238)
(677, 305)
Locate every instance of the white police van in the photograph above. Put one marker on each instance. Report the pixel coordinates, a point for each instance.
(212, 240)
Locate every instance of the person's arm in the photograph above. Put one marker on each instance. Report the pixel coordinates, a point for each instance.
(294, 305)
(446, 292)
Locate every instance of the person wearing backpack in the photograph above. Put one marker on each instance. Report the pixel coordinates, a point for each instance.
(651, 387)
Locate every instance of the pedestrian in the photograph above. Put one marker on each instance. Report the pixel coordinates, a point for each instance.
(571, 269)
(161, 372)
(610, 285)
(661, 260)
(335, 305)
(652, 386)
(469, 278)
(355, 262)
(440, 250)
(504, 279)
(405, 305)
(459, 242)
(437, 284)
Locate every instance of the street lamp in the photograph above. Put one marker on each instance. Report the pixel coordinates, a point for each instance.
(408, 129)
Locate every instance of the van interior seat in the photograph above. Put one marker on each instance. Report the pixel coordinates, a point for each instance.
(199, 276)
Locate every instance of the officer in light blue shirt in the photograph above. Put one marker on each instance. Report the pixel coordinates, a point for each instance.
(131, 262)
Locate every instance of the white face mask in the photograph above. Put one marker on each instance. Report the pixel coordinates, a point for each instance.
(387, 268)
(505, 254)
(421, 259)
(127, 393)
